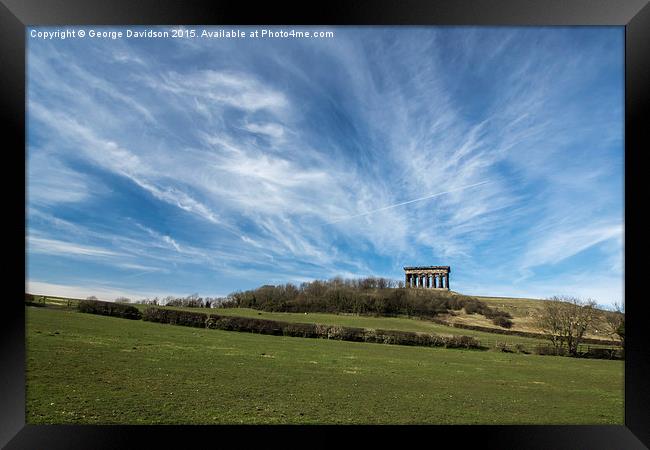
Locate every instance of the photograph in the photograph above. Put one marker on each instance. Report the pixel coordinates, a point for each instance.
(325, 225)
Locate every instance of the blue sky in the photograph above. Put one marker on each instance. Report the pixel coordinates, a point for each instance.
(175, 166)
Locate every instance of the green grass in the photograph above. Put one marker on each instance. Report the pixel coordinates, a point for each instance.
(518, 307)
(83, 368)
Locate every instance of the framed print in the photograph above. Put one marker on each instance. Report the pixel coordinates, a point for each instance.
(272, 222)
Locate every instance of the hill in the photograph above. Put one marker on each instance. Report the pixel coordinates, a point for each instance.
(523, 312)
(377, 296)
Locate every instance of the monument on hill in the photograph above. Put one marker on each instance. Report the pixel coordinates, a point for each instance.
(427, 277)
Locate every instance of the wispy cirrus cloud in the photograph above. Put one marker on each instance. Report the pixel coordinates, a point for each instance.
(56, 247)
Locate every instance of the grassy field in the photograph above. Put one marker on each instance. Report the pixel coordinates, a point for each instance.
(83, 368)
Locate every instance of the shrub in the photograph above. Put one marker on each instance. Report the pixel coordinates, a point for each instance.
(494, 313)
(395, 337)
(184, 318)
(403, 338)
(521, 349)
(352, 334)
(109, 309)
(245, 324)
(306, 330)
(462, 342)
(473, 307)
(602, 353)
(502, 322)
(38, 305)
(503, 347)
(341, 333)
(550, 350)
(429, 340)
(33, 300)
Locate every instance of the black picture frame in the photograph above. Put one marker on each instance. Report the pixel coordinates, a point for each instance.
(634, 15)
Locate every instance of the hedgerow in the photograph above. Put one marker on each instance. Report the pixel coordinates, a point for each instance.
(109, 309)
(175, 317)
(305, 330)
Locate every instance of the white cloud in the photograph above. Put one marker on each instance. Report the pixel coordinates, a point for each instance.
(63, 248)
(272, 130)
(558, 243)
(112, 157)
(233, 89)
(100, 291)
(50, 182)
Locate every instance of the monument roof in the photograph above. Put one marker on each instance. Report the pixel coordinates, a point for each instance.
(426, 267)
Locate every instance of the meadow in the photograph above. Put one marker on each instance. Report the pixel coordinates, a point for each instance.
(83, 368)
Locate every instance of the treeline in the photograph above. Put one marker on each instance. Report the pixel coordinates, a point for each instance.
(366, 296)
(191, 301)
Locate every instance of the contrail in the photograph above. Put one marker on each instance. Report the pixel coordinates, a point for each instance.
(406, 203)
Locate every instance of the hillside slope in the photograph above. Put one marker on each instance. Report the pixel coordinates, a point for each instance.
(523, 311)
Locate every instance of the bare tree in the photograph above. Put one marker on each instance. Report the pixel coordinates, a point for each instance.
(565, 320)
(122, 300)
(550, 322)
(615, 323)
(92, 297)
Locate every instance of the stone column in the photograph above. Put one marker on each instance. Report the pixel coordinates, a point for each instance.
(447, 281)
(427, 281)
(442, 281)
